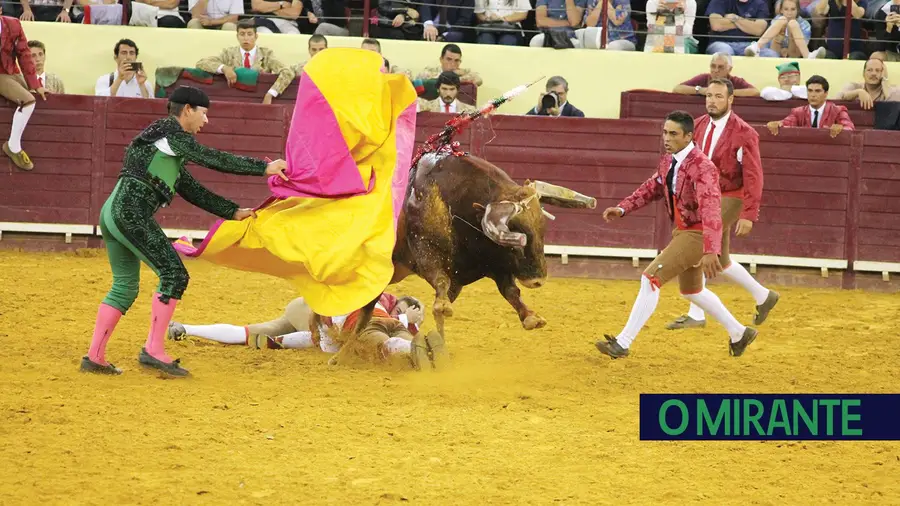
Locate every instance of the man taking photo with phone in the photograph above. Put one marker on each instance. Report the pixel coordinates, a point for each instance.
(129, 79)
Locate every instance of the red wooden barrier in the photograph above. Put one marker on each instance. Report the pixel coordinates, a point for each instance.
(643, 104)
(220, 91)
(824, 198)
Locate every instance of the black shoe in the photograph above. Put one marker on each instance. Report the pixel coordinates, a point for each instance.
(173, 369)
(737, 349)
(762, 310)
(88, 365)
(611, 347)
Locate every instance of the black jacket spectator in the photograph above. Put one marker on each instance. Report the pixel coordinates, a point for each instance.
(567, 110)
(459, 14)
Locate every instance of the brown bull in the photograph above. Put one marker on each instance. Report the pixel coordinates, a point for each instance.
(465, 219)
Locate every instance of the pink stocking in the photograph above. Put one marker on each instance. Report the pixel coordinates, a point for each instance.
(107, 318)
(160, 316)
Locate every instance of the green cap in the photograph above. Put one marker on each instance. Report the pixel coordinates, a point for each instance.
(788, 68)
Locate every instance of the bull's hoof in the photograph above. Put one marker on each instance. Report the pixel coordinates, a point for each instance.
(443, 308)
(533, 321)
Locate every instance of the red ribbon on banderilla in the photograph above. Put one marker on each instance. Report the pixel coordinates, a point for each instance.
(443, 140)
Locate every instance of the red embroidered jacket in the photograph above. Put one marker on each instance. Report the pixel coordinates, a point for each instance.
(14, 51)
(733, 175)
(697, 196)
(831, 114)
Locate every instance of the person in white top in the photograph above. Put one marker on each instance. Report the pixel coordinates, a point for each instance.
(500, 21)
(127, 80)
(215, 14)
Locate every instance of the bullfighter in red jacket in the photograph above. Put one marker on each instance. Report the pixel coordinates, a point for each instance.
(689, 184)
(820, 113)
(15, 53)
(733, 146)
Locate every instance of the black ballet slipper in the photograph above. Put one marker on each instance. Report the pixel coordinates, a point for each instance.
(173, 369)
(88, 365)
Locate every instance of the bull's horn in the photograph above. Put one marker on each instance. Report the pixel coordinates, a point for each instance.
(561, 196)
(494, 224)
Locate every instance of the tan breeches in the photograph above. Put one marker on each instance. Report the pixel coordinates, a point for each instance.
(731, 213)
(295, 318)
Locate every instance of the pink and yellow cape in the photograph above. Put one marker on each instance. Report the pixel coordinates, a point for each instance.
(330, 230)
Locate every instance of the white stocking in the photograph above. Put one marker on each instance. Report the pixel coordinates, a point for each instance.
(297, 340)
(19, 121)
(695, 313)
(712, 305)
(737, 273)
(643, 308)
(220, 332)
(397, 345)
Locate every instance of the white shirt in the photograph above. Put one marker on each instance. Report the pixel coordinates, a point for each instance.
(812, 114)
(716, 134)
(500, 8)
(128, 89)
(216, 9)
(773, 93)
(453, 106)
(679, 158)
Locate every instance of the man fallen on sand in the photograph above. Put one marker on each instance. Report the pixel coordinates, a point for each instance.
(393, 330)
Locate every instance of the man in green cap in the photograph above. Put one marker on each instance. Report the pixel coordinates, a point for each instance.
(789, 84)
(153, 172)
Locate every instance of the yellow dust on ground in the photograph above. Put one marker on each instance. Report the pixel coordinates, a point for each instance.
(524, 417)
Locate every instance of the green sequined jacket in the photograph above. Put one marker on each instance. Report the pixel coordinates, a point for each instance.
(162, 170)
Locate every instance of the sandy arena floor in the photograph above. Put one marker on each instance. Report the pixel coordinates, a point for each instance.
(524, 417)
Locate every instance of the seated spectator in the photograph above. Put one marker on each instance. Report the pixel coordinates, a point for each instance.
(719, 68)
(127, 80)
(556, 102)
(888, 23)
(373, 45)
(836, 11)
(51, 82)
(736, 24)
(673, 19)
(276, 16)
(215, 14)
(788, 35)
(874, 88)
(249, 56)
(448, 90)
(451, 58)
(315, 44)
(397, 19)
(46, 10)
(558, 20)
(818, 114)
(620, 32)
(167, 16)
(324, 17)
(448, 21)
(500, 21)
(788, 84)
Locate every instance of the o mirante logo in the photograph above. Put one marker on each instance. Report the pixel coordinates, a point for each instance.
(769, 417)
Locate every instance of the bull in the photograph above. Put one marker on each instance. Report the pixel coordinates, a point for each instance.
(465, 219)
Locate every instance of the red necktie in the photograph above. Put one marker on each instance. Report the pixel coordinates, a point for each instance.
(247, 60)
(41, 81)
(446, 107)
(709, 138)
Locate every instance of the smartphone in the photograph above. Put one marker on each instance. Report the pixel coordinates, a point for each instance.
(137, 66)
(895, 8)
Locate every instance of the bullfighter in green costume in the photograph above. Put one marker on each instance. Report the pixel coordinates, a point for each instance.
(153, 172)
